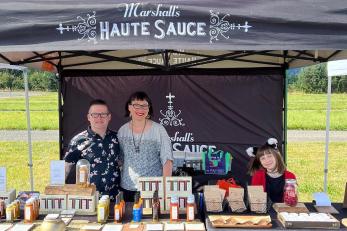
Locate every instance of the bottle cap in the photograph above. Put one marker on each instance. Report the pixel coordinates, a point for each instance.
(105, 197)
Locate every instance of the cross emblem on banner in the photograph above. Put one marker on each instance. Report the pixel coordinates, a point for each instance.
(170, 97)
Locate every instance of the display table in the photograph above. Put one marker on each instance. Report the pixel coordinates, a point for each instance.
(275, 223)
(79, 221)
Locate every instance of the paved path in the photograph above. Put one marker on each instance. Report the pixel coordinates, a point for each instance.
(293, 136)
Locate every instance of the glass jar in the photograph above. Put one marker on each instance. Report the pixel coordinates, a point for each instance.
(290, 192)
(83, 172)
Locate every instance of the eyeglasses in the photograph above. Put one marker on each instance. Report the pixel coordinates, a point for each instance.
(101, 115)
(140, 106)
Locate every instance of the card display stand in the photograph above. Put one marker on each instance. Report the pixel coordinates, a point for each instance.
(8, 196)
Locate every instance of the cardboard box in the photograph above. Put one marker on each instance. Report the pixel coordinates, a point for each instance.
(305, 223)
(83, 205)
(52, 203)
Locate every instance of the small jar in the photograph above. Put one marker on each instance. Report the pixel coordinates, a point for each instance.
(2, 208)
(82, 173)
(9, 213)
(29, 211)
(290, 192)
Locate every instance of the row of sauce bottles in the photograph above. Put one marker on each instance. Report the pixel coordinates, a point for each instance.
(103, 209)
(190, 208)
(12, 211)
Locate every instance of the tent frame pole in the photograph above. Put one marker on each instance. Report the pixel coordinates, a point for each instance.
(327, 138)
(60, 107)
(24, 71)
(285, 106)
(30, 164)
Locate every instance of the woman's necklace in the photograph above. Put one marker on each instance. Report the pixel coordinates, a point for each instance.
(273, 174)
(137, 147)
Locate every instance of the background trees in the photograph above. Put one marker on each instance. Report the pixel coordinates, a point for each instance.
(314, 79)
(38, 80)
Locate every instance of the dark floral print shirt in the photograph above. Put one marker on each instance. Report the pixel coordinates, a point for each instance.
(103, 156)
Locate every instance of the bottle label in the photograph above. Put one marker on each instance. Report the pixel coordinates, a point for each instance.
(9, 215)
(101, 214)
(116, 215)
(27, 213)
(190, 213)
(137, 215)
(174, 214)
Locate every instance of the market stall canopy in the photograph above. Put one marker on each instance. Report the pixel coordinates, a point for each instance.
(167, 59)
(171, 34)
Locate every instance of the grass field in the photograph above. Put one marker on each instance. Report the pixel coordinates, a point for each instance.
(305, 111)
(309, 170)
(308, 111)
(43, 115)
(14, 156)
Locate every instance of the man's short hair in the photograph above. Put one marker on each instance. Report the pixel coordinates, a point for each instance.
(98, 102)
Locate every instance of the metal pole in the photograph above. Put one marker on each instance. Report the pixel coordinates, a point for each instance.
(285, 107)
(30, 164)
(327, 129)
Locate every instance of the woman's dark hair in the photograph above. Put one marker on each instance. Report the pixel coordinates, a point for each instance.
(266, 149)
(139, 95)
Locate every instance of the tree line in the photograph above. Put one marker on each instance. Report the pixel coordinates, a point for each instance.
(37, 80)
(314, 79)
(311, 79)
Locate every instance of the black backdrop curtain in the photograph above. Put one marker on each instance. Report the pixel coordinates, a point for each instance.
(229, 109)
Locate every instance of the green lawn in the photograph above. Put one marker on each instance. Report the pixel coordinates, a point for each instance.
(308, 111)
(305, 111)
(306, 160)
(14, 156)
(43, 116)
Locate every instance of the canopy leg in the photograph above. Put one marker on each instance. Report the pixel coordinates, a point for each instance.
(30, 164)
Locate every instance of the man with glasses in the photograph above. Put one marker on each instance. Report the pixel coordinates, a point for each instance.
(99, 145)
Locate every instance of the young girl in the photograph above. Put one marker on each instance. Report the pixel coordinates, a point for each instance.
(269, 170)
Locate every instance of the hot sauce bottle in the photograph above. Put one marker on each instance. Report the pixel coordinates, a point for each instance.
(122, 202)
(101, 211)
(137, 208)
(174, 208)
(190, 208)
(29, 213)
(117, 210)
(155, 206)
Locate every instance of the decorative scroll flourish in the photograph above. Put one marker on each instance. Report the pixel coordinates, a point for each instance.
(170, 116)
(220, 26)
(86, 28)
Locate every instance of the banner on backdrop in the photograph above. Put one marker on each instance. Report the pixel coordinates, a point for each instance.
(225, 110)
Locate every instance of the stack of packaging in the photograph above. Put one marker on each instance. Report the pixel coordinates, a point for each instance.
(235, 200)
(214, 198)
(257, 199)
